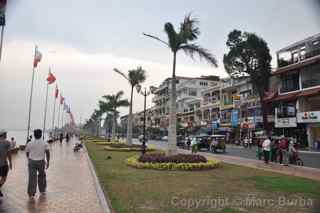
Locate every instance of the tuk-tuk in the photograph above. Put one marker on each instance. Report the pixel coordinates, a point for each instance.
(218, 142)
(203, 142)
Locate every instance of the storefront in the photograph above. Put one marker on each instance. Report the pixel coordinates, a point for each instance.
(312, 122)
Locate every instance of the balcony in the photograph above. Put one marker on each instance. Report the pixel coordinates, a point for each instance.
(286, 62)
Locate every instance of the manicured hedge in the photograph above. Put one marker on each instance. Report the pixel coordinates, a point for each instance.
(179, 158)
(210, 164)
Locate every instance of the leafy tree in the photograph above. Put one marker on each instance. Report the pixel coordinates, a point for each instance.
(249, 55)
(181, 40)
(134, 77)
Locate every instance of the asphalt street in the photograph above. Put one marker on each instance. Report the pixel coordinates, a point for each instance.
(309, 159)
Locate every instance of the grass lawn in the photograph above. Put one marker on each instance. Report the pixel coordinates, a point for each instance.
(229, 189)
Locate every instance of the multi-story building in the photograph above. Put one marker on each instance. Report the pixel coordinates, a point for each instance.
(188, 91)
(296, 94)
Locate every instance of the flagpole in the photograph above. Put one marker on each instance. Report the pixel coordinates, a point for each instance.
(59, 115)
(1, 42)
(45, 113)
(30, 99)
(54, 113)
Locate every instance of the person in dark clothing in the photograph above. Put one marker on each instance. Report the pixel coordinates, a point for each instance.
(61, 137)
(67, 137)
(5, 158)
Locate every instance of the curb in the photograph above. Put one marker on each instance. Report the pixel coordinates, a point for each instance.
(102, 195)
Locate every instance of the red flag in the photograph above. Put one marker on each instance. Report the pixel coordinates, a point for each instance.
(51, 78)
(61, 99)
(37, 57)
(56, 92)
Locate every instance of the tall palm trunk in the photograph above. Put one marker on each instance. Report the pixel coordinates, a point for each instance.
(114, 126)
(129, 126)
(172, 139)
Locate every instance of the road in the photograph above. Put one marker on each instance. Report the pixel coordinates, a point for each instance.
(309, 159)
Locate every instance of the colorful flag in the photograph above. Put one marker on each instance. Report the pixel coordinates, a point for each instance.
(37, 57)
(61, 99)
(51, 78)
(56, 93)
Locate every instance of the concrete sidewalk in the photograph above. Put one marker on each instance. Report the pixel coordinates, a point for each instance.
(306, 172)
(71, 185)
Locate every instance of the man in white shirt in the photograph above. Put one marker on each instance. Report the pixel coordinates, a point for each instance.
(266, 146)
(37, 151)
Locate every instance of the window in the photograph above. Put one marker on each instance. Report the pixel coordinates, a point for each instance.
(192, 92)
(290, 83)
(311, 76)
(287, 110)
(202, 83)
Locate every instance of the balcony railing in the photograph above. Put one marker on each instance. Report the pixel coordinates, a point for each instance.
(310, 54)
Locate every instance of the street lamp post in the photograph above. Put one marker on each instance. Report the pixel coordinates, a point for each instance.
(145, 93)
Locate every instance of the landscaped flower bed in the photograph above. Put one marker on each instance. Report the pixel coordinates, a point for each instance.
(127, 148)
(179, 158)
(176, 162)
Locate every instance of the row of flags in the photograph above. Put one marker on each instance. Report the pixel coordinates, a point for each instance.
(51, 79)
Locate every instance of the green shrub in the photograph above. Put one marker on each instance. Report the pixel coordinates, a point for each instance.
(210, 164)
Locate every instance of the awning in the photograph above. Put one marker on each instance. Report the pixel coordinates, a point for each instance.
(309, 92)
(286, 97)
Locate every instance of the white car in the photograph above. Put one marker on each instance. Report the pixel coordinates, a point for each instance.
(164, 138)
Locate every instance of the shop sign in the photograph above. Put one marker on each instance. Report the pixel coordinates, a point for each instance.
(308, 117)
(234, 118)
(285, 122)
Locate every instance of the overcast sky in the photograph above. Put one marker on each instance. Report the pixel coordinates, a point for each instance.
(82, 41)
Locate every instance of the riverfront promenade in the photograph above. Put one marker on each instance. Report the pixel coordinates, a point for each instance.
(71, 185)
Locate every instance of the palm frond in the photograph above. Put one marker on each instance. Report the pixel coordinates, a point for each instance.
(156, 38)
(136, 76)
(118, 95)
(173, 37)
(189, 30)
(192, 49)
(123, 103)
(121, 73)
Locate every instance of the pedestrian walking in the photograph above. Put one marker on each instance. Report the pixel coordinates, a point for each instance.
(61, 137)
(67, 137)
(38, 155)
(194, 145)
(13, 143)
(188, 143)
(266, 149)
(283, 151)
(5, 157)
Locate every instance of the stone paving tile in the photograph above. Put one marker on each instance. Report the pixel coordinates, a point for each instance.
(70, 185)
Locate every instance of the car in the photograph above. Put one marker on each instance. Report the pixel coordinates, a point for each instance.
(181, 141)
(141, 138)
(218, 142)
(164, 138)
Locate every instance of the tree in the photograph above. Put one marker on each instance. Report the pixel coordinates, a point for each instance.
(111, 103)
(188, 32)
(134, 77)
(249, 55)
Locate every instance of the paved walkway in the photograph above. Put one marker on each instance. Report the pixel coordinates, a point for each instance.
(71, 185)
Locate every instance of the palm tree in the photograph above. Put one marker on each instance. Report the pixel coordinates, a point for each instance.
(134, 77)
(188, 32)
(111, 104)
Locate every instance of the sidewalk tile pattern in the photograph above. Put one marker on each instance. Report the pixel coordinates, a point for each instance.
(70, 185)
